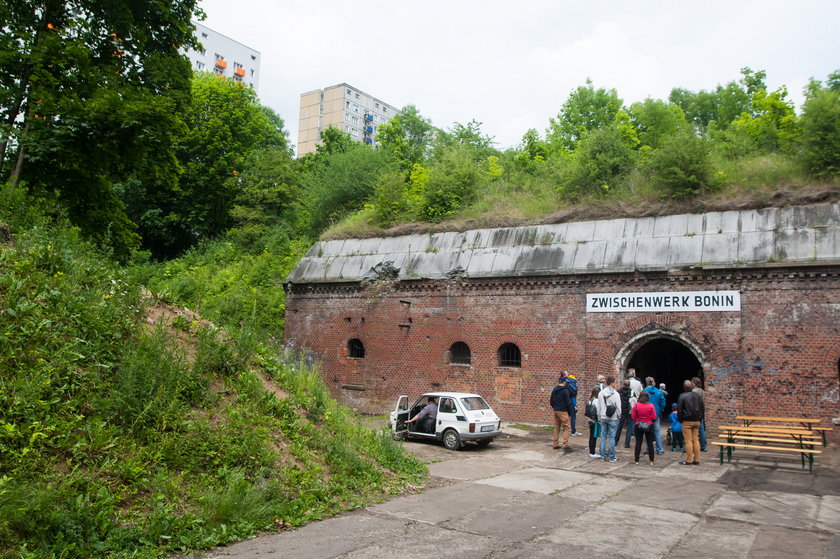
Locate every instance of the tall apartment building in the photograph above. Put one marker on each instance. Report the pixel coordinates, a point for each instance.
(344, 107)
(225, 57)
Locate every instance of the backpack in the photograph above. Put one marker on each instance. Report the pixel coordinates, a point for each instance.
(571, 384)
(591, 411)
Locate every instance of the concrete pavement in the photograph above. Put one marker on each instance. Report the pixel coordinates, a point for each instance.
(520, 498)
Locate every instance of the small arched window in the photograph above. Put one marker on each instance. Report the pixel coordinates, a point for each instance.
(460, 354)
(509, 355)
(355, 348)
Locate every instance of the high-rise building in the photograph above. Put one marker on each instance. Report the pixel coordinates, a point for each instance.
(225, 57)
(345, 107)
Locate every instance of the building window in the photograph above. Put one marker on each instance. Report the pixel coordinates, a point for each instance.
(253, 57)
(252, 72)
(376, 105)
(199, 65)
(460, 354)
(354, 119)
(204, 35)
(355, 133)
(203, 51)
(384, 109)
(509, 355)
(237, 65)
(218, 56)
(355, 108)
(357, 96)
(349, 92)
(355, 349)
(346, 128)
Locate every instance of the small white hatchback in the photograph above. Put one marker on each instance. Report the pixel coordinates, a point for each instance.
(461, 417)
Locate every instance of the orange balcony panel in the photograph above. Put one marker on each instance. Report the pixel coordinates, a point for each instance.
(240, 72)
(221, 64)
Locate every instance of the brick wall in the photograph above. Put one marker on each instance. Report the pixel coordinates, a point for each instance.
(777, 356)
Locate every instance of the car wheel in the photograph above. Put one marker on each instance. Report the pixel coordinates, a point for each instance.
(451, 439)
(484, 442)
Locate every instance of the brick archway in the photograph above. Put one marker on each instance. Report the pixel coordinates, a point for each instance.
(631, 345)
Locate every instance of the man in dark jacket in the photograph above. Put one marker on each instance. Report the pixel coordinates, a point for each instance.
(561, 403)
(690, 411)
(624, 392)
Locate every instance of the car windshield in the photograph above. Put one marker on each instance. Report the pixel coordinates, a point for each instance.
(475, 403)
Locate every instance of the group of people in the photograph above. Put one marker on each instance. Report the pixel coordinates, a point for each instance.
(635, 409)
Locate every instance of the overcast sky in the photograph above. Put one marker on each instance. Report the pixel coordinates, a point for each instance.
(511, 64)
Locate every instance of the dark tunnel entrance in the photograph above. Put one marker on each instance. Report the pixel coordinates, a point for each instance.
(667, 361)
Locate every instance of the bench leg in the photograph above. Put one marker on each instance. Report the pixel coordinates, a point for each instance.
(721, 456)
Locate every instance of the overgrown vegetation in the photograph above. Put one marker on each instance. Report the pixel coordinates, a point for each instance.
(121, 438)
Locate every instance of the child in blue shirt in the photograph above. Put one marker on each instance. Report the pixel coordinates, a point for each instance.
(676, 431)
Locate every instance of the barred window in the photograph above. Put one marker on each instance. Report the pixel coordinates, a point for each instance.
(355, 348)
(509, 355)
(460, 354)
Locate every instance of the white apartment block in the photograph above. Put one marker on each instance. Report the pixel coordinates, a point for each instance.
(344, 107)
(225, 57)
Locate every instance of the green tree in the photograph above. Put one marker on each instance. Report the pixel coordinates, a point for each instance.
(226, 127)
(656, 121)
(90, 92)
(533, 151)
(341, 183)
(585, 110)
(452, 184)
(333, 141)
(820, 127)
(406, 138)
(467, 136)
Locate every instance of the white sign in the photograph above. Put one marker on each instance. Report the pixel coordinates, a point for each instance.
(676, 301)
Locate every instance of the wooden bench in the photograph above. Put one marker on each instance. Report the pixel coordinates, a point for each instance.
(776, 438)
(803, 452)
(822, 431)
(805, 422)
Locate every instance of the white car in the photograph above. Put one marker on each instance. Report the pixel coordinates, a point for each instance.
(461, 417)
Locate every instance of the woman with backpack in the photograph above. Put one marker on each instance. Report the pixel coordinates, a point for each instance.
(591, 413)
(644, 415)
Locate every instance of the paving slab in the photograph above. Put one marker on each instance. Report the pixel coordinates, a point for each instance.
(635, 530)
(318, 540)
(777, 509)
(716, 539)
(672, 493)
(706, 471)
(537, 480)
(597, 488)
(828, 517)
(783, 543)
(473, 468)
(545, 549)
(519, 518)
(421, 541)
(443, 503)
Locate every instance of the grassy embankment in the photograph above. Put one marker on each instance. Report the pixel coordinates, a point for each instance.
(121, 438)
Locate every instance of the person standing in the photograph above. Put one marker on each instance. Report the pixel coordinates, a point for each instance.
(571, 382)
(624, 393)
(658, 401)
(690, 411)
(594, 425)
(698, 389)
(644, 414)
(635, 390)
(561, 403)
(609, 410)
(677, 441)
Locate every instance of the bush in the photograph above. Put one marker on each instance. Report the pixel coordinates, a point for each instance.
(820, 128)
(682, 167)
(600, 163)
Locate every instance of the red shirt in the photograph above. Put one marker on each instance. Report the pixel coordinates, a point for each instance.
(643, 412)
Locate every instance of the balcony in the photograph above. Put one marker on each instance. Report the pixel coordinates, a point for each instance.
(221, 64)
(240, 72)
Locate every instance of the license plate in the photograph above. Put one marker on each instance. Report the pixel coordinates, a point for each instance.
(486, 428)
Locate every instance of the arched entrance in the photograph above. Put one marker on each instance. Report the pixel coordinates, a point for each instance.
(666, 360)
